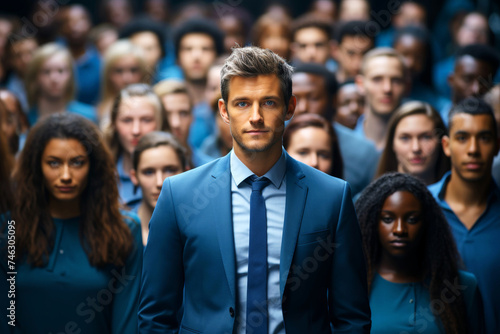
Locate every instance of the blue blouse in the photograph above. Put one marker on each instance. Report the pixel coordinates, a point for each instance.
(70, 295)
(406, 307)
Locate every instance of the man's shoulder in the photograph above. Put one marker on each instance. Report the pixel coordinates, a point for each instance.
(212, 170)
(314, 177)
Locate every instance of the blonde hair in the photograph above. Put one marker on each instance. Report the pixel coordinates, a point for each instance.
(134, 90)
(171, 86)
(40, 56)
(383, 52)
(115, 52)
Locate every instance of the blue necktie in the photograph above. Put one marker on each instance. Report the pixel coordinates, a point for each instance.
(256, 322)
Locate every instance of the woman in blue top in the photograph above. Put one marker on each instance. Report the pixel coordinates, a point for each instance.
(78, 257)
(412, 262)
(158, 155)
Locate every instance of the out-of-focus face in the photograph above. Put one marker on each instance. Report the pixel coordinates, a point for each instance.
(136, 117)
(326, 8)
(311, 45)
(179, 115)
(212, 89)
(5, 30)
(311, 94)
(155, 165)
(65, 168)
(313, 147)
(119, 12)
(105, 39)
(54, 77)
(471, 146)
(413, 52)
(472, 77)
(10, 124)
(125, 71)
(349, 54)
(416, 145)
(410, 14)
(150, 45)
(352, 10)
(76, 25)
(196, 54)
(474, 30)
(22, 53)
(234, 32)
(256, 113)
(350, 105)
(400, 227)
(275, 38)
(383, 84)
(157, 9)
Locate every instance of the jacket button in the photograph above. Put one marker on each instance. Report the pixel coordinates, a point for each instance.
(231, 312)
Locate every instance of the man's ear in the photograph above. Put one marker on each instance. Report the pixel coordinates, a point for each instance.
(133, 177)
(291, 108)
(445, 142)
(223, 111)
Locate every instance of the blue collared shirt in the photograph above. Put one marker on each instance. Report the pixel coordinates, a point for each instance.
(275, 197)
(478, 248)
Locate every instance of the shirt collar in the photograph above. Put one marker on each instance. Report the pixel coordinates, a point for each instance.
(494, 190)
(240, 172)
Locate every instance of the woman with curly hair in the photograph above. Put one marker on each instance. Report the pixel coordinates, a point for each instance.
(412, 262)
(78, 257)
(414, 143)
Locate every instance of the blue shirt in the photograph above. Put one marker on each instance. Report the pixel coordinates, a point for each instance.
(203, 124)
(16, 85)
(126, 189)
(88, 76)
(73, 107)
(275, 197)
(478, 248)
(406, 307)
(71, 293)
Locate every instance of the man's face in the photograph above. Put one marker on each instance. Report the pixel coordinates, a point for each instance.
(474, 30)
(349, 54)
(471, 77)
(471, 146)
(410, 14)
(413, 52)
(196, 55)
(350, 105)
(179, 116)
(311, 45)
(150, 45)
(256, 113)
(22, 53)
(76, 25)
(383, 84)
(311, 94)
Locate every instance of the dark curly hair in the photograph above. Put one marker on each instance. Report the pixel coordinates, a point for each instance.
(104, 235)
(439, 257)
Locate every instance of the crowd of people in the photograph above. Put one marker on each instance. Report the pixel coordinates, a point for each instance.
(95, 117)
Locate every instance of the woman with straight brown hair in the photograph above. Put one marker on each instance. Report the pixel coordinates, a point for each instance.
(413, 143)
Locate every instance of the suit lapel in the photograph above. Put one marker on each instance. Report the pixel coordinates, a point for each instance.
(221, 208)
(296, 194)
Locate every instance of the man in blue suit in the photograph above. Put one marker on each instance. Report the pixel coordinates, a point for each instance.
(203, 270)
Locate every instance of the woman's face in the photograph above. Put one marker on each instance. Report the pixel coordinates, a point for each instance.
(54, 77)
(312, 146)
(155, 165)
(65, 169)
(416, 145)
(400, 226)
(136, 117)
(125, 71)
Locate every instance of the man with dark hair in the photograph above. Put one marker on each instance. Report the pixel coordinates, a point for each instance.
(150, 37)
(75, 28)
(315, 90)
(229, 241)
(197, 43)
(475, 66)
(312, 40)
(470, 199)
(353, 40)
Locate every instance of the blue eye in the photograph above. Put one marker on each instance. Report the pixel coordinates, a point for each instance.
(269, 103)
(241, 104)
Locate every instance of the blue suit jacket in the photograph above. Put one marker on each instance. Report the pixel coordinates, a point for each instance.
(190, 258)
